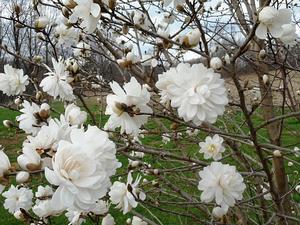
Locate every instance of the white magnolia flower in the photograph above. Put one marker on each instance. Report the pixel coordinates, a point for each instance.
(141, 20)
(82, 168)
(33, 118)
(82, 49)
(17, 198)
(199, 95)
(175, 2)
(212, 147)
(74, 116)
(43, 207)
(44, 144)
(57, 82)
(124, 105)
(66, 35)
(74, 217)
(89, 13)
(4, 162)
(222, 183)
(271, 21)
(108, 220)
(100, 208)
(191, 39)
(22, 177)
(126, 195)
(13, 81)
(288, 35)
(137, 221)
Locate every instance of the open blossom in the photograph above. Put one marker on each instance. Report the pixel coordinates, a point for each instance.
(82, 168)
(141, 19)
(57, 81)
(288, 35)
(43, 207)
(175, 2)
(199, 95)
(212, 147)
(89, 13)
(271, 21)
(4, 163)
(124, 105)
(126, 195)
(108, 220)
(66, 35)
(17, 198)
(33, 117)
(13, 81)
(43, 144)
(222, 183)
(137, 221)
(74, 116)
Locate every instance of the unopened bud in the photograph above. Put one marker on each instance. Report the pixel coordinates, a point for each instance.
(155, 171)
(39, 95)
(22, 177)
(297, 188)
(216, 63)
(128, 221)
(19, 215)
(41, 23)
(262, 54)
(265, 79)
(125, 29)
(18, 101)
(277, 153)
(17, 10)
(8, 123)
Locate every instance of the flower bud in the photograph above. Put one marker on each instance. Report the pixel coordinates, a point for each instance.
(277, 153)
(216, 63)
(297, 188)
(69, 3)
(155, 171)
(290, 163)
(262, 54)
(18, 101)
(22, 177)
(265, 79)
(41, 23)
(39, 95)
(128, 221)
(8, 123)
(19, 215)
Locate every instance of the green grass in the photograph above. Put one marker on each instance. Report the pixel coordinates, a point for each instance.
(12, 140)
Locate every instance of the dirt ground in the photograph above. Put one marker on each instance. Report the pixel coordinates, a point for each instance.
(252, 92)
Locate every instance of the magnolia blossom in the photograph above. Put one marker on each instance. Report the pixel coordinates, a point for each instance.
(288, 35)
(126, 195)
(141, 20)
(124, 106)
(137, 221)
(191, 39)
(175, 2)
(89, 13)
(222, 183)
(108, 220)
(33, 117)
(199, 95)
(13, 81)
(66, 35)
(57, 82)
(212, 147)
(43, 207)
(4, 163)
(74, 116)
(82, 49)
(17, 198)
(271, 21)
(41, 22)
(82, 168)
(74, 217)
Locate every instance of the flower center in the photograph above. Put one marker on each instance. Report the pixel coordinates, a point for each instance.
(212, 148)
